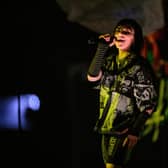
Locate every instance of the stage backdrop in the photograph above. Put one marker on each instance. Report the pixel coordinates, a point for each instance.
(102, 15)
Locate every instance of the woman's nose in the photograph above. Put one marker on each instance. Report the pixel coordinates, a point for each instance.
(119, 34)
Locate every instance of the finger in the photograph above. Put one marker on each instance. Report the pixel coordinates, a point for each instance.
(131, 144)
(104, 36)
(124, 131)
(111, 44)
(125, 141)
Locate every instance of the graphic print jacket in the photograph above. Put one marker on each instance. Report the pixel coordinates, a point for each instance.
(126, 89)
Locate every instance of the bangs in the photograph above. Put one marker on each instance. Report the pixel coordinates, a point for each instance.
(121, 27)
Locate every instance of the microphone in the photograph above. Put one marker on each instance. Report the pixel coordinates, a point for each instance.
(95, 41)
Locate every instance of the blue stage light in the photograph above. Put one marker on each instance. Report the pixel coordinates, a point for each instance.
(34, 102)
(14, 109)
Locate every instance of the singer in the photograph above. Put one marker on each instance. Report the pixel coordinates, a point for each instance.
(127, 88)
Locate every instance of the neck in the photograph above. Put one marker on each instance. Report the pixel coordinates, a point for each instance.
(123, 54)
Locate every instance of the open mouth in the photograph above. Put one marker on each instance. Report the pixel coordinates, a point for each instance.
(119, 40)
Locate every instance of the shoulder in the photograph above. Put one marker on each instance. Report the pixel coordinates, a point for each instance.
(146, 69)
(144, 64)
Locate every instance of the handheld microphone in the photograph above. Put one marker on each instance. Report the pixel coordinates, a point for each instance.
(100, 39)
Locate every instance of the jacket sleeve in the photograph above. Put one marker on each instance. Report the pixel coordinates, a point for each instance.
(146, 99)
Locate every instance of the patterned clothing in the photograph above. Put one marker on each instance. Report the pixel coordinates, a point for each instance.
(113, 150)
(126, 89)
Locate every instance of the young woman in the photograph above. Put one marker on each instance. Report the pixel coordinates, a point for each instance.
(127, 91)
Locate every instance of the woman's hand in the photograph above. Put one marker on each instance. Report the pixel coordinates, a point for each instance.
(131, 141)
(107, 38)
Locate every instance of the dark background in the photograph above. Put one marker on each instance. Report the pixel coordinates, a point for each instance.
(43, 53)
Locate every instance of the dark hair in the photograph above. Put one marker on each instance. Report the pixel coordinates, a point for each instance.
(139, 39)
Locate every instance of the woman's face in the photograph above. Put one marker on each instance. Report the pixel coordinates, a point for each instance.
(124, 38)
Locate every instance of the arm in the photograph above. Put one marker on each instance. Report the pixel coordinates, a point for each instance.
(146, 99)
(98, 60)
(94, 72)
